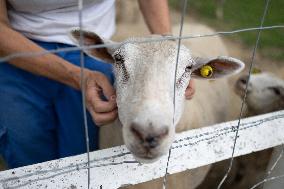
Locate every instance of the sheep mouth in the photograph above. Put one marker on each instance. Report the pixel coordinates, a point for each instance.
(148, 158)
(146, 155)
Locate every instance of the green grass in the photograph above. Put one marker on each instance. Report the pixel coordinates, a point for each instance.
(243, 14)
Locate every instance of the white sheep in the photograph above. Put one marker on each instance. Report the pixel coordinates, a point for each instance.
(144, 83)
(265, 92)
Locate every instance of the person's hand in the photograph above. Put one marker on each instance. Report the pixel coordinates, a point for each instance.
(97, 85)
(190, 90)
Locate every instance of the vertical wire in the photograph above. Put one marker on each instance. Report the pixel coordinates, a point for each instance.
(244, 98)
(270, 170)
(183, 11)
(267, 178)
(83, 88)
(276, 162)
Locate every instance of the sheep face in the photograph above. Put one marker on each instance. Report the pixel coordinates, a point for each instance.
(145, 87)
(145, 92)
(265, 92)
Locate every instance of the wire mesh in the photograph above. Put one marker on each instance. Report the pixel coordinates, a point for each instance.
(245, 94)
(162, 38)
(83, 88)
(82, 47)
(267, 178)
(183, 11)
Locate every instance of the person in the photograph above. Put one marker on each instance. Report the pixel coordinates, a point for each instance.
(41, 115)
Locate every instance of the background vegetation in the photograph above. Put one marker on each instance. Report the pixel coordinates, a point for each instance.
(236, 14)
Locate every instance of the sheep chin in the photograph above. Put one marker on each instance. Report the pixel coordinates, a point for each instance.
(146, 160)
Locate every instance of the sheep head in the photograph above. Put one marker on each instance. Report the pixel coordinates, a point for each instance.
(265, 92)
(145, 81)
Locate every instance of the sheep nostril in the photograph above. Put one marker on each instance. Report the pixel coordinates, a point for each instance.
(136, 132)
(151, 137)
(152, 142)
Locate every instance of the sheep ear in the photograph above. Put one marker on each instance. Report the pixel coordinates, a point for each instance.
(91, 38)
(219, 67)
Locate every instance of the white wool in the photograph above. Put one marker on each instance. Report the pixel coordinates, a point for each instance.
(261, 95)
(213, 102)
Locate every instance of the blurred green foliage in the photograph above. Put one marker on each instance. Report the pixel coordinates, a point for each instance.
(239, 14)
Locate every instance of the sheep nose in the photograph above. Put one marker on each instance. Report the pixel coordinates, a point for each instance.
(151, 141)
(151, 137)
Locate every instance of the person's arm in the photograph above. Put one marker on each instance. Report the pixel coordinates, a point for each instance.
(49, 65)
(56, 68)
(157, 17)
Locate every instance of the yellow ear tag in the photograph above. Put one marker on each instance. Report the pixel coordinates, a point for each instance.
(206, 71)
(255, 71)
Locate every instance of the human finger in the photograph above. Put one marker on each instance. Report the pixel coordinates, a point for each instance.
(97, 104)
(107, 89)
(104, 118)
(190, 90)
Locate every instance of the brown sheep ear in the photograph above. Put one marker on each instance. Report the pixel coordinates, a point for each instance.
(216, 68)
(90, 39)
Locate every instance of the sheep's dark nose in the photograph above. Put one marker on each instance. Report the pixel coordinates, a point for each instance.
(149, 137)
(151, 142)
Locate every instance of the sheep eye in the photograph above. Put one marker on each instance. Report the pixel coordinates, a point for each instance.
(118, 58)
(276, 90)
(188, 68)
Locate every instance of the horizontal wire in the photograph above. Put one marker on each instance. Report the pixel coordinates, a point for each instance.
(75, 48)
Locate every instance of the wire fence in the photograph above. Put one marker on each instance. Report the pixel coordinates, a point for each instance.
(245, 95)
(157, 39)
(184, 6)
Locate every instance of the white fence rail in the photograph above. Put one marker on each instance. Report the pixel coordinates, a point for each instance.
(115, 167)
